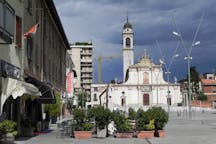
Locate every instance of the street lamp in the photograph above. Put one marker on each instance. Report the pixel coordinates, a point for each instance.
(188, 58)
(167, 72)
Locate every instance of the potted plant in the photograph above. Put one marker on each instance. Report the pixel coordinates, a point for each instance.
(82, 127)
(132, 117)
(161, 118)
(8, 130)
(144, 125)
(122, 125)
(102, 117)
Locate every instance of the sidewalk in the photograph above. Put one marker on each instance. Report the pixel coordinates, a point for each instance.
(50, 138)
(178, 131)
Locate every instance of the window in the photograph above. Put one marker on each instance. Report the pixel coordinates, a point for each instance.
(37, 16)
(95, 89)
(95, 97)
(37, 55)
(29, 48)
(122, 101)
(7, 21)
(145, 78)
(146, 99)
(127, 42)
(18, 31)
(1, 14)
(169, 101)
(29, 7)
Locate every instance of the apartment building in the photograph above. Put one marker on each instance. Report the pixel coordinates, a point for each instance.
(208, 87)
(33, 58)
(83, 60)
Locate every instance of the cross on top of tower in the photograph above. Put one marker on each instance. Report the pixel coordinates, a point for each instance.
(127, 24)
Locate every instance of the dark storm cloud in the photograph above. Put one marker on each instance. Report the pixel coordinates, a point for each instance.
(152, 20)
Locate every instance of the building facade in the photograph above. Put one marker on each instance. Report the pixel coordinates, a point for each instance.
(208, 87)
(143, 86)
(33, 59)
(83, 61)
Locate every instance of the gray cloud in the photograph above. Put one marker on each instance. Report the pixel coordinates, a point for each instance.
(153, 20)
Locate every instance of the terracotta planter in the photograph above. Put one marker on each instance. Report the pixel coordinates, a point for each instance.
(145, 134)
(160, 133)
(82, 134)
(124, 135)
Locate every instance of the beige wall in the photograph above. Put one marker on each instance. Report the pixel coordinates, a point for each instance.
(75, 55)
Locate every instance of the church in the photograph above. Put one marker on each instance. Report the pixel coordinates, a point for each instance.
(143, 85)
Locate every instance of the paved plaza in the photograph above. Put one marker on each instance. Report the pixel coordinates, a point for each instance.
(200, 129)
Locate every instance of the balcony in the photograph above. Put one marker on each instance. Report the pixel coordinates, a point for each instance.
(86, 60)
(87, 70)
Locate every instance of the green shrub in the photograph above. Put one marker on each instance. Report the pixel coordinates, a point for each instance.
(131, 114)
(87, 126)
(101, 116)
(122, 123)
(150, 126)
(202, 97)
(8, 126)
(141, 120)
(81, 121)
(159, 115)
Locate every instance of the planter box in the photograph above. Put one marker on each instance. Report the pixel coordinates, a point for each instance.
(160, 133)
(145, 134)
(101, 133)
(7, 139)
(82, 134)
(124, 135)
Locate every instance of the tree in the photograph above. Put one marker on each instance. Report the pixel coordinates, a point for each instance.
(54, 110)
(82, 98)
(202, 97)
(194, 76)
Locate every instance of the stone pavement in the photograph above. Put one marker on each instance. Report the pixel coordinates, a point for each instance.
(201, 129)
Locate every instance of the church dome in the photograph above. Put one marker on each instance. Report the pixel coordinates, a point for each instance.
(127, 25)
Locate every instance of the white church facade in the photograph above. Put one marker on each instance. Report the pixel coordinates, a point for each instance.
(143, 86)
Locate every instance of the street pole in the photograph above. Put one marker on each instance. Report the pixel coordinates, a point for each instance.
(189, 86)
(168, 91)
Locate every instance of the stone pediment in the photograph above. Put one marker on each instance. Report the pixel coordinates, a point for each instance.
(144, 62)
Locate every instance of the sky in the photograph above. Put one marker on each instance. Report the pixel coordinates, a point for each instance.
(153, 22)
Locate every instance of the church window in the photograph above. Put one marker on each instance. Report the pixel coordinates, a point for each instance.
(122, 101)
(128, 42)
(95, 97)
(145, 78)
(169, 101)
(146, 99)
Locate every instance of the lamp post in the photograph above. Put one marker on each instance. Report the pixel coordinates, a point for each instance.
(167, 72)
(188, 58)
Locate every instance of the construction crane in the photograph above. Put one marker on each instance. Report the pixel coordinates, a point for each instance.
(99, 60)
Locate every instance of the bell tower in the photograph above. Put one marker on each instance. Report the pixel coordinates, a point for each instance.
(127, 49)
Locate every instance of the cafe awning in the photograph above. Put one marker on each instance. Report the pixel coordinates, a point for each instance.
(48, 95)
(16, 88)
